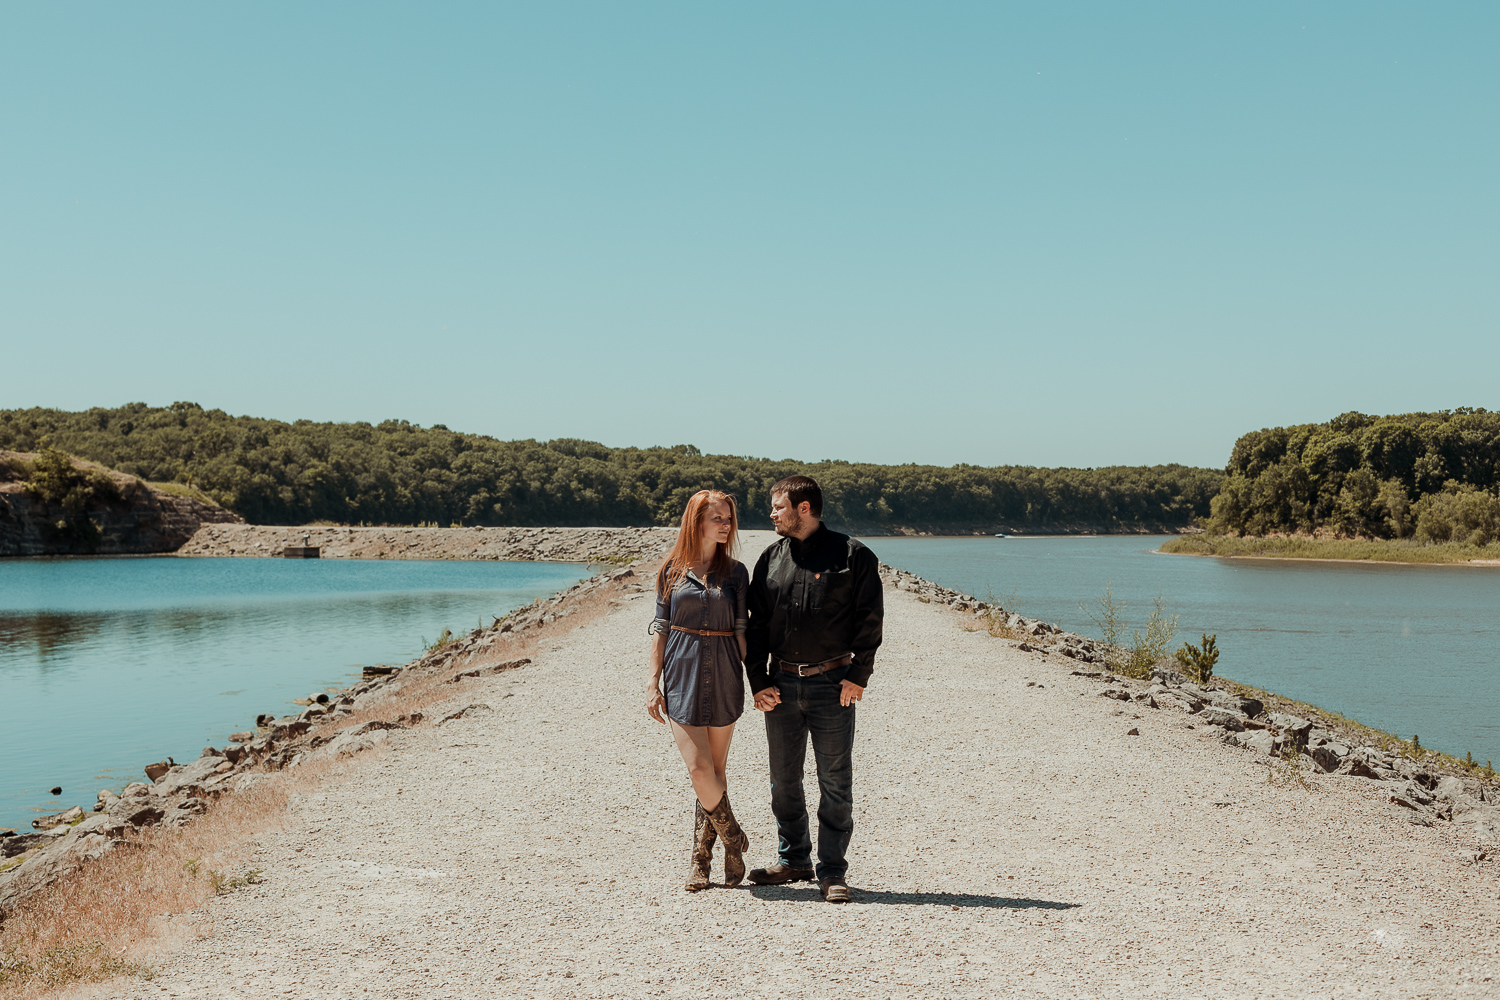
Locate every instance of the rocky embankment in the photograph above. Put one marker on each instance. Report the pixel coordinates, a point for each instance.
(1416, 788)
(108, 513)
(581, 545)
(174, 794)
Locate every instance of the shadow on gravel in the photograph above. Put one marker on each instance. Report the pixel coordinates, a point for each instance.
(807, 894)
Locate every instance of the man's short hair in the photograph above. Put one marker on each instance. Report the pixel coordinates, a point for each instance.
(799, 489)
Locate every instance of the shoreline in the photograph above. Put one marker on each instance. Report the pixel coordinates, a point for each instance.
(1398, 552)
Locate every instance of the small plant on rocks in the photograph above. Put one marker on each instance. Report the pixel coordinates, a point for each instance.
(1198, 662)
(1286, 768)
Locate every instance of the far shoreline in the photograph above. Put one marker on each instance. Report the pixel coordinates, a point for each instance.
(1342, 550)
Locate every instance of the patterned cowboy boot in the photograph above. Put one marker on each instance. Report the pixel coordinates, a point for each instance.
(735, 841)
(704, 836)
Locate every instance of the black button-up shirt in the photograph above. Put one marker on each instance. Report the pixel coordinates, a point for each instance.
(812, 601)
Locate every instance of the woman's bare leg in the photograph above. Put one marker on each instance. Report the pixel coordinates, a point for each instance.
(718, 745)
(695, 745)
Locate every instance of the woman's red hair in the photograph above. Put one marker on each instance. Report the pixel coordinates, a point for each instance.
(690, 541)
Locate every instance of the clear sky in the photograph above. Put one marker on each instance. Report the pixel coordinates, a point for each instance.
(1052, 234)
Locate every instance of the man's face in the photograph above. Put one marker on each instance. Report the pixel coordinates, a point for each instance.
(784, 516)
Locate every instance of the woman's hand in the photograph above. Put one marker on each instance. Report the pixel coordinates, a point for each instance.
(655, 703)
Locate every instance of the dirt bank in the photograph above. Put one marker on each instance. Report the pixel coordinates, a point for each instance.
(584, 545)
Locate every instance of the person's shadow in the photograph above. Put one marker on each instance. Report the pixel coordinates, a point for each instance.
(803, 893)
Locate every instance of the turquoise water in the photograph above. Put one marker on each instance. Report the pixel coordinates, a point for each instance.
(1407, 649)
(109, 664)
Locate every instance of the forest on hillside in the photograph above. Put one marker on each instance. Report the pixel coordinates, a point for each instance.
(1434, 477)
(395, 472)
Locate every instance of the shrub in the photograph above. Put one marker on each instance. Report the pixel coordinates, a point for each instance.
(1198, 661)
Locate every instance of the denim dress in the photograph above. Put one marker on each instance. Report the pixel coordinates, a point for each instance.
(702, 676)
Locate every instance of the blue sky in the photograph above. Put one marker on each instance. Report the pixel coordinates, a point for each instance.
(1047, 234)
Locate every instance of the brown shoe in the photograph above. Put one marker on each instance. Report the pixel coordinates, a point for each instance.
(735, 841)
(702, 857)
(779, 874)
(834, 890)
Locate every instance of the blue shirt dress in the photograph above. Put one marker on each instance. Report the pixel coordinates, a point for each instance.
(702, 676)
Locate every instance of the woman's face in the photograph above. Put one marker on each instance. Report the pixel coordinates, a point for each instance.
(717, 520)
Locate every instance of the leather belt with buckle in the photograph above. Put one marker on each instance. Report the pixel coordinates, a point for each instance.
(814, 669)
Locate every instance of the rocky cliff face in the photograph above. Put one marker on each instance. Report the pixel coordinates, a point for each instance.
(136, 519)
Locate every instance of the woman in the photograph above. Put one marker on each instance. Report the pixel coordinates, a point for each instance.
(698, 649)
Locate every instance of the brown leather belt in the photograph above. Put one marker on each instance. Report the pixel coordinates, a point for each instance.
(697, 631)
(814, 669)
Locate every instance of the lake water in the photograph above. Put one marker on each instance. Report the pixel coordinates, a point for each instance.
(108, 664)
(1407, 649)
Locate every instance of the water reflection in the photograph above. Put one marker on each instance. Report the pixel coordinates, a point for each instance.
(107, 664)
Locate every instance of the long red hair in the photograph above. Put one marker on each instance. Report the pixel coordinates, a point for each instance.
(690, 541)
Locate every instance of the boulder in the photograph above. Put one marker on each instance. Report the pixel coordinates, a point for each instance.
(1248, 707)
(1325, 758)
(351, 741)
(1119, 694)
(65, 818)
(161, 767)
(241, 737)
(1256, 739)
(1215, 715)
(1291, 725)
(189, 779)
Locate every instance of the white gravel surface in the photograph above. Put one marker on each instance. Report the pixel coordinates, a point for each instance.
(1010, 840)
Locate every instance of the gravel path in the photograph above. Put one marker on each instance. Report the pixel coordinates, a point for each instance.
(1010, 839)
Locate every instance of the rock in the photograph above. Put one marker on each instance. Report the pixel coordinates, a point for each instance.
(1356, 767)
(56, 790)
(190, 779)
(381, 671)
(1324, 757)
(290, 730)
(241, 737)
(353, 741)
(494, 669)
(65, 818)
(1119, 694)
(235, 754)
(1291, 725)
(161, 767)
(1248, 707)
(211, 752)
(1133, 732)
(264, 719)
(183, 813)
(1256, 739)
(1167, 676)
(318, 698)
(1143, 698)
(1215, 715)
(468, 712)
(1025, 647)
(20, 844)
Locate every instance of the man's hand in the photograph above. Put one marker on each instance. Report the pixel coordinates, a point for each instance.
(767, 698)
(849, 693)
(655, 702)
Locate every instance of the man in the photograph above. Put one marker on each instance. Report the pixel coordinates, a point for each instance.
(815, 611)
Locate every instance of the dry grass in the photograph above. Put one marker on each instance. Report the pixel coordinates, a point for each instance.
(132, 908)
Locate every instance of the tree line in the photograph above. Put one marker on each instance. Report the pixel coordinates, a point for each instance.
(395, 472)
(1434, 477)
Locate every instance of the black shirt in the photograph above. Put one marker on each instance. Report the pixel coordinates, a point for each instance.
(812, 601)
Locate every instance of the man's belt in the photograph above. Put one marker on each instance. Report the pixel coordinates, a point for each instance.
(813, 669)
(699, 631)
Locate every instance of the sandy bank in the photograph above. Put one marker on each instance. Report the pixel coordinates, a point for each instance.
(583, 545)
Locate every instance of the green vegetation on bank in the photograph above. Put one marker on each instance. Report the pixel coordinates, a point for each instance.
(1431, 477)
(1303, 547)
(394, 472)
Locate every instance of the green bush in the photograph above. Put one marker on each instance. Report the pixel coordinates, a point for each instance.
(1198, 662)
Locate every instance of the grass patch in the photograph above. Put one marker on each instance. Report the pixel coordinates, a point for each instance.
(185, 491)
(1307, 547)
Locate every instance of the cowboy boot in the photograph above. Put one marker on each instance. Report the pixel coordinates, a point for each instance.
(735, 841)
(702, 858)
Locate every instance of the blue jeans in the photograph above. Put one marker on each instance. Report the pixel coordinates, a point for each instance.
(810, 707)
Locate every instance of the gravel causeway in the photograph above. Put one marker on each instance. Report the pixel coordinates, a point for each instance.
(1010, 840)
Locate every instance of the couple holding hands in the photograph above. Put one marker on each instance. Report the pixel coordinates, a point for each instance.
(804, 629)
